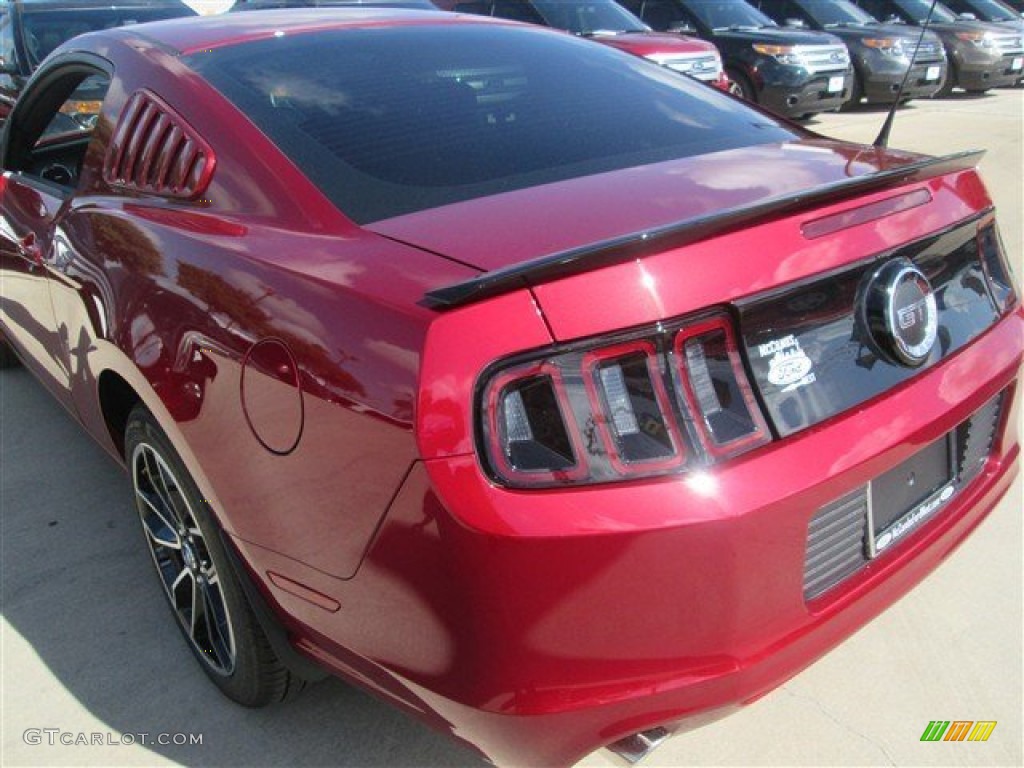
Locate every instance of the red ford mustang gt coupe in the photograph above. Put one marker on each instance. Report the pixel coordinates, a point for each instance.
(558, 399)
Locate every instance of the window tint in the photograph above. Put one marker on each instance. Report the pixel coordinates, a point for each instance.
(917, 10)
(53, 124)
(516, 10)
(392, 120)
(728, 14)
(665, 14)
(877, 8)
(584, 17)
(47, 27)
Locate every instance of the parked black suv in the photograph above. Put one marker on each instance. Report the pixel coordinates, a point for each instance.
(29, 31)
(881, 53)
(793, 72)
(993, 11)
(981, 55)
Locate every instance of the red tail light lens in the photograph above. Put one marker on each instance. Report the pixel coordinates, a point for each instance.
(626, 387)
(535, 437)
(717, 389)
(647, 404)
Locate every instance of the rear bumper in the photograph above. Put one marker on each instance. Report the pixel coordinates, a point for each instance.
(563, 621)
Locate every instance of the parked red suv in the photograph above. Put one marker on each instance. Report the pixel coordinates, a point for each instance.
(607, 22)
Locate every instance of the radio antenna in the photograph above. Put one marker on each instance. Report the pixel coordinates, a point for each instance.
(882, 141)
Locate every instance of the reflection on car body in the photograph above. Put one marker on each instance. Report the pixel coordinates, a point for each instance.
(532, 386)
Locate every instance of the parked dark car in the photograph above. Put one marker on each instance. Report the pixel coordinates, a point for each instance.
(793, 72)
(30, 30)
(981, 55)
(561, 400)
(993, 11)
(881, 53)
(606, 22)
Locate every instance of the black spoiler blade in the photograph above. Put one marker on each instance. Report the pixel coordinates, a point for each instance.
(626, 247)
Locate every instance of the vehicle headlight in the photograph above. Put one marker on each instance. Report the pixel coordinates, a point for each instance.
(980, 39)
(784, 54)
(890, 46)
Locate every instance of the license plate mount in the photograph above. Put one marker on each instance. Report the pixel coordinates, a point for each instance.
(903, 498)
(835, 84)
(932, 73)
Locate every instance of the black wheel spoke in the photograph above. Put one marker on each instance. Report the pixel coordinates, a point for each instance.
(156, 523)
(183, 560)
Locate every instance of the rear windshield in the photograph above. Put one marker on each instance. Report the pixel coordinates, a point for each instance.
(391, 120)
(47, 27)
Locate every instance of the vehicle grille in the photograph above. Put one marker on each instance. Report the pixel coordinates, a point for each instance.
(700, 66)
(835, 543)
(824, 58)
(837, 533)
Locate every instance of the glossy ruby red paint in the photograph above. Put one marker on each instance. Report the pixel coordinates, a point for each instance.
(535, 626)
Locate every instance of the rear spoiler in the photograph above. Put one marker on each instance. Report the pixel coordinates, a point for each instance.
(619, 249)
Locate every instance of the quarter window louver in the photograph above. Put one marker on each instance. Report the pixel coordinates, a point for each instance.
(156, 152)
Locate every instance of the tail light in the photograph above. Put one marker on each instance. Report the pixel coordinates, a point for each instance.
(646, 404)
(996, 266)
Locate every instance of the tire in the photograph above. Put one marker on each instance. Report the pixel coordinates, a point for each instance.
(857, 93)
(947, 87)
(741, 86)
(7, 357)
(195, 574)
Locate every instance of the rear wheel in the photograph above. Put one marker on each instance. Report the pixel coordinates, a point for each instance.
(195, 574)
(741, 85)
(947, 86)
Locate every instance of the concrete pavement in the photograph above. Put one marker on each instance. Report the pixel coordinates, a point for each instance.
(87, 646)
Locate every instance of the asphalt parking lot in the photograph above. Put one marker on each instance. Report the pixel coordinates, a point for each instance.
(88, 647)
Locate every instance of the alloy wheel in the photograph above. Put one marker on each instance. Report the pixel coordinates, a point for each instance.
(182, 559)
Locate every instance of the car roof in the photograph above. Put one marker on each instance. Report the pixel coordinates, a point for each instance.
(194, 34)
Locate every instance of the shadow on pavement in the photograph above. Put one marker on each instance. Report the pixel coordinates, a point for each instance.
(77, 585)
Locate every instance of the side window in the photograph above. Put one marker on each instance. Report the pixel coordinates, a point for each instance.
(477, 8)
(664, 15)
(53, 124)
(774, 9)
(793, 11)
(517, 11)
(875, 8)
(79, 112)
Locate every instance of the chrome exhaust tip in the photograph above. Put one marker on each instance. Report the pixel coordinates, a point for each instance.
(634, 748)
